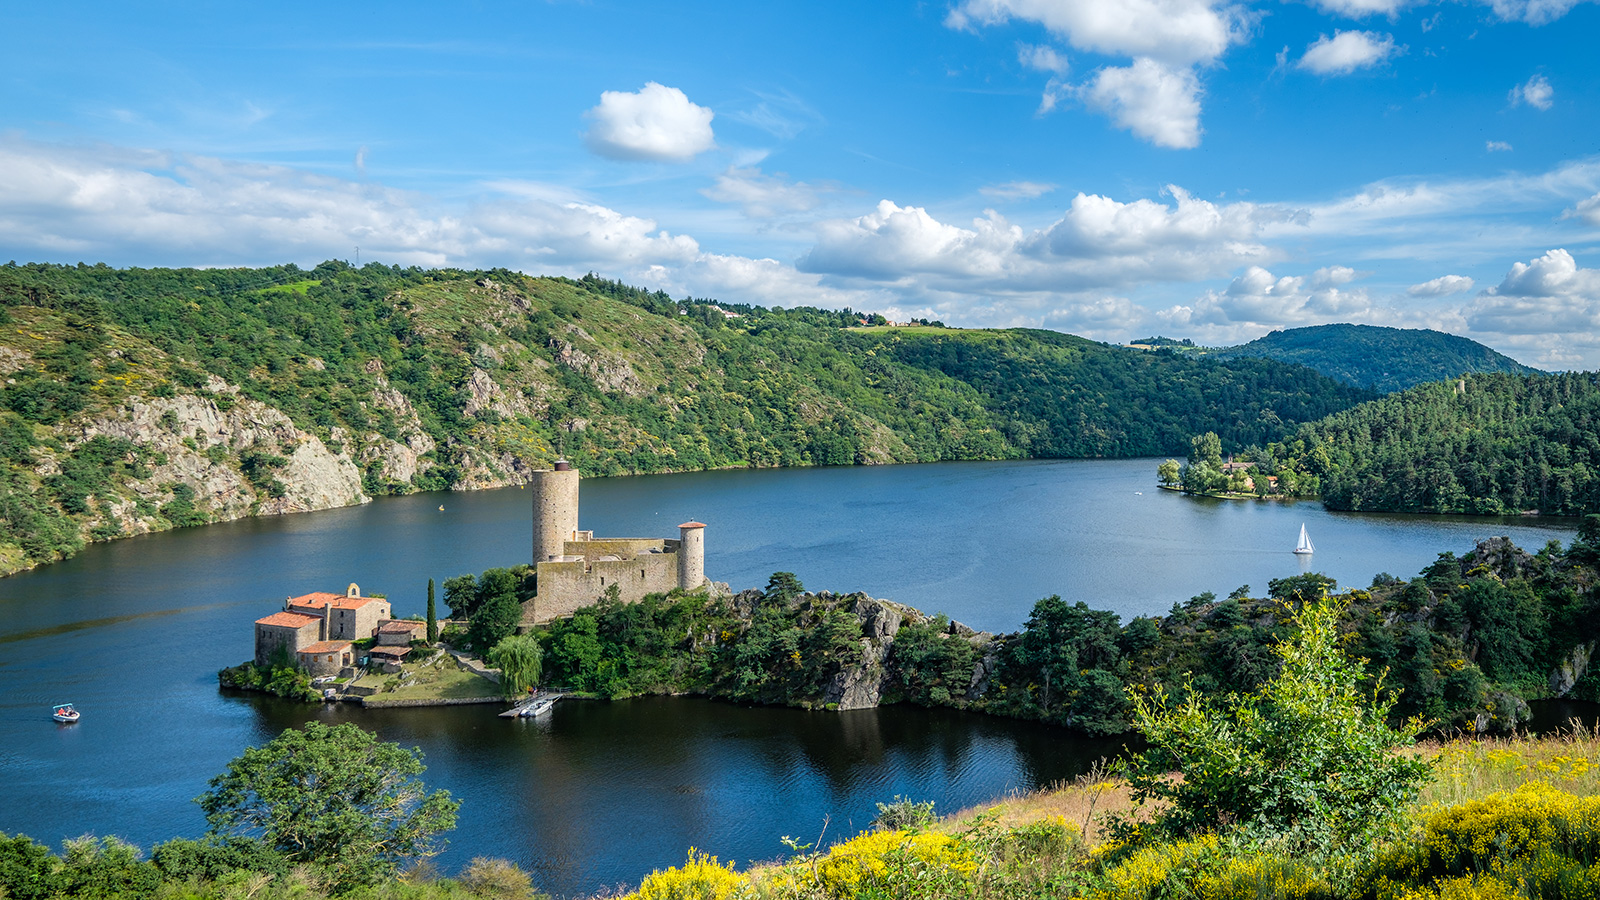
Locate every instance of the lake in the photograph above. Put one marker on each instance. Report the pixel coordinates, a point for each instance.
(134, 631)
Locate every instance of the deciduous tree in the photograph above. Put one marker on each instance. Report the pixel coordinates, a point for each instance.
(334, 798)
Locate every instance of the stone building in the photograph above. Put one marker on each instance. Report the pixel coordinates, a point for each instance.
(401, 632)
(326, 657)
(574, 568)
(282, 635)
(350, 616)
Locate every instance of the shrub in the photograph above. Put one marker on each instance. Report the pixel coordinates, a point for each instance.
(1536, 835)
(902, 813)
(700, 878)
(891, 862)
(1305, 763)
(484, 877)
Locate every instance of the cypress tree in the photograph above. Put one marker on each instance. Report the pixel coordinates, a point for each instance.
(433, 619)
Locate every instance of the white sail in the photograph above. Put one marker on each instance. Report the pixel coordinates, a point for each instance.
(1305, 541)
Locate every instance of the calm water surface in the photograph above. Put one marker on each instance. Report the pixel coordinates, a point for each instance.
(134, 631)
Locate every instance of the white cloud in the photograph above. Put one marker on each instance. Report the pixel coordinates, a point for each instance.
(1587, 210)
(1017, 190)
(1177, 32)
(1258, 300)
(1098, 243)
(1042, 58)
(1441, 286)
(1497, 146)
(1334, 275)
(655, 123)
(117, 205)
(1549, 296)
(1157, 103)
(762, 196)
(1536, 92)
(1348, 51)
(1356, 9)
(1533, 12)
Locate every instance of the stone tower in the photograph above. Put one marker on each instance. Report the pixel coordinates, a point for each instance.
(555, 510)
(691, 555)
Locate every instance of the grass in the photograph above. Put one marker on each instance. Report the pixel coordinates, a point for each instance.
(437, 679)
(1469, 769)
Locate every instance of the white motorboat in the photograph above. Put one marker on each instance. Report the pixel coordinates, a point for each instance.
(63, 712)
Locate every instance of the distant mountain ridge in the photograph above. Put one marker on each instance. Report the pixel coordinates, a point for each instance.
(1378, 358)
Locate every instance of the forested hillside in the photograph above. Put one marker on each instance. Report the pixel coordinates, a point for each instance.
(1484, 444)
(1371, 356)
(142, 399)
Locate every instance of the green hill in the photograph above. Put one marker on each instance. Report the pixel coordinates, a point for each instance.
(1485, 444)
(1377, 358)
(142, 399)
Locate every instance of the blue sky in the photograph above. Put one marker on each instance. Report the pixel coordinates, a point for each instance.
(1112, 168)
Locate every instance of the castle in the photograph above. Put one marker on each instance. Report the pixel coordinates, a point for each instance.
(574, 568)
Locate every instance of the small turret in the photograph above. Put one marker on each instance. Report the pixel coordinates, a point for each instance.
(691, 555)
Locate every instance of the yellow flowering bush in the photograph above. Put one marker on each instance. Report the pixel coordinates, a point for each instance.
(879, 858)
(701, 878)
(1536, 836)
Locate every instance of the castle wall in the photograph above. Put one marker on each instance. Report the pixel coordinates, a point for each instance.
(592, 550)
(565, 586)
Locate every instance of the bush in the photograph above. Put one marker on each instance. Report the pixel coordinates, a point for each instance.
(902, 814)
(701, 878)
(497, 878)
(1306, 763)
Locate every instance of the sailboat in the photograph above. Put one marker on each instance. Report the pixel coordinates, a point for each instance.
(1304, 548)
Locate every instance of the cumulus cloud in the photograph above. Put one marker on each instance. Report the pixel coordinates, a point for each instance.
(1533, 12)
(1441, 286)
(1157, 103)
(762, 196)
(654, 123)
(1177, 32)
(1098, 243)
(1257, 300)
(1536, 92)
(1017, 190)
(118, 204)
(1348, 51)
(1550, 295)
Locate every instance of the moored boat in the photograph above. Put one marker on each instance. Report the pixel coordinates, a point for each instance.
(63, 712)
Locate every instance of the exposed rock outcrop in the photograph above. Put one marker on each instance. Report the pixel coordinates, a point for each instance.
(196, 440)
(861, 682)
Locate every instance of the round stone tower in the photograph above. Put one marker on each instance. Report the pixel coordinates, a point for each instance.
(555, 510)
(691, 555)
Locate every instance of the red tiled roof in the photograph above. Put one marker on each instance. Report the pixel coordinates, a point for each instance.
(395, 652)
(401, 627)
(326, 647)
(288, 619)
(319, 599)
(693, 525)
